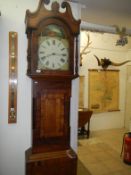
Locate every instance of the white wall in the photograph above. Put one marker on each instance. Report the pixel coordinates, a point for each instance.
(16, 138)
(103, 45)
(75, 91)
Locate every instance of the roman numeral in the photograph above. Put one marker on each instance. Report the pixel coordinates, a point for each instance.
(53, 42)
(41, 52)
(47, 63)
(48, 43)
(53, 65)
(43, 57)
(62, 60)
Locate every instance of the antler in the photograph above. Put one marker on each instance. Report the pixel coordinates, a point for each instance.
(105, 62)
(84, 52)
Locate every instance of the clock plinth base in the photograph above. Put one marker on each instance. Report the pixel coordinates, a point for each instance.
(62, 162)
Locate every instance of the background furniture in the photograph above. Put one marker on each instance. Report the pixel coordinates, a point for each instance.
(84, 118)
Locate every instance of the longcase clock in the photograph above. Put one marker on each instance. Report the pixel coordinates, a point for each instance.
(52, 57)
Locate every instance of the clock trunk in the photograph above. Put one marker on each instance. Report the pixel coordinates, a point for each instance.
(51, 106)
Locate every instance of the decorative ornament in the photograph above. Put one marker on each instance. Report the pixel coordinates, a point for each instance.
(122, 41)
(84, 50)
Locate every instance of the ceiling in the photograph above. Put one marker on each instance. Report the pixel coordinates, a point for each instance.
(114, 6)
(106, 12)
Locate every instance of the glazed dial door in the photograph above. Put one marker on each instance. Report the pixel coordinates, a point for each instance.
(53, 49)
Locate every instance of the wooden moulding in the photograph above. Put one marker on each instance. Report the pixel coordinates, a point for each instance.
(32, 19)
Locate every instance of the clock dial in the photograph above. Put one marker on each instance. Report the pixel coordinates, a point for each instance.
(53, 53)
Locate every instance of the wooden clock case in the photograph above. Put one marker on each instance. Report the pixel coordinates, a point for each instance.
(51, 92)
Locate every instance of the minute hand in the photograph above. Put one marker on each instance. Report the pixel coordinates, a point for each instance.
(61, 54)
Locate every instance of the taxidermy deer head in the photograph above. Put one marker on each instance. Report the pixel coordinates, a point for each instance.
(104, 63)
(85, 49)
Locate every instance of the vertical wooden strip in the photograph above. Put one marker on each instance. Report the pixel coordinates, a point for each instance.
(12, 106)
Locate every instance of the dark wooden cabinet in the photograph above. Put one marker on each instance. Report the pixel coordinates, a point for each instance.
(52, 57)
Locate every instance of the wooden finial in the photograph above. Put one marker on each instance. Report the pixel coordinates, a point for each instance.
(55, 6)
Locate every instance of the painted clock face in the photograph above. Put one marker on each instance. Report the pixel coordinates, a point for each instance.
(53, 54)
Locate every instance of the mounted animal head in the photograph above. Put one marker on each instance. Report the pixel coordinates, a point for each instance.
(104, 63)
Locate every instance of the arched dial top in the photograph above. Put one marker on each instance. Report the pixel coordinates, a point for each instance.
(53, 49)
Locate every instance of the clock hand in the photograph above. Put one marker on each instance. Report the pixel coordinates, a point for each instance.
(50, 55)
(60, 54)
(46, 56)
(53, 54)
